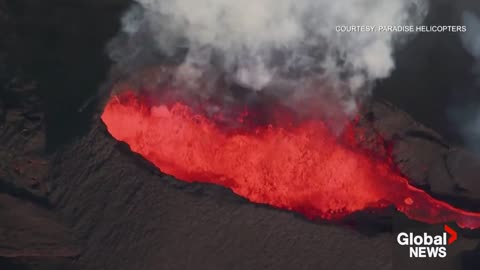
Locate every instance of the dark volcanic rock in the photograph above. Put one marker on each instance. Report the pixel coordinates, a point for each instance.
(425, 158)
(61, 44)
(27, 230)
(470, 259)
(22, 149)
(464, 169)
(30, 233)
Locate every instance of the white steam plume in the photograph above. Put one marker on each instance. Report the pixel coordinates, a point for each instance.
(471, 38)
(288, 44)
(467, 116)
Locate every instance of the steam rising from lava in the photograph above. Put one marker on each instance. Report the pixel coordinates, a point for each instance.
(471, 38)
(290, 52)
(290, 47)
(467, 115)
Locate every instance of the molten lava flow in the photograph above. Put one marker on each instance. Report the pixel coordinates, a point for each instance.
(303, 168)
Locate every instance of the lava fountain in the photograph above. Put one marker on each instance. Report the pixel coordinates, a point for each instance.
(301, 167)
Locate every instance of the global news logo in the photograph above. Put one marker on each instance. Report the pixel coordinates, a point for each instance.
(428, 246)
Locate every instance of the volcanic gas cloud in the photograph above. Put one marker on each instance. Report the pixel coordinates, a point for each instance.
(288, 50)
(300, 166)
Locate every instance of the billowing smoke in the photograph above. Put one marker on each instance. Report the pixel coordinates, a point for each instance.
(290, 48)
(471, 38)
(467, 116)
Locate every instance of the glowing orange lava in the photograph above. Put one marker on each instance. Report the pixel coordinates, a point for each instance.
(303, 168)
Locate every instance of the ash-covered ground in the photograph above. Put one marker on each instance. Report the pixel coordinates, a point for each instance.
(71, 197)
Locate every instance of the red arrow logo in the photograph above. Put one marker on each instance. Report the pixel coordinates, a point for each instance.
(452, 233)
